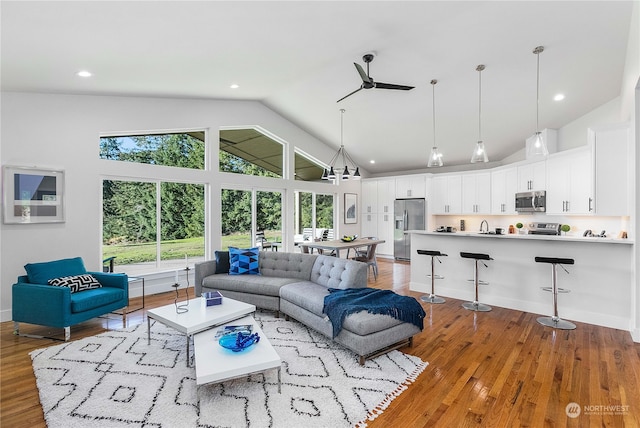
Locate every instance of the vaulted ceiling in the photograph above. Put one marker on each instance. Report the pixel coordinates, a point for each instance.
(297, 58)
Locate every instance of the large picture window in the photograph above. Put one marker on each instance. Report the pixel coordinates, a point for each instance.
(151, 226)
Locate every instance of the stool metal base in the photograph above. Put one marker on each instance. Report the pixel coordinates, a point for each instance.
(556, 322)
(476, 306)
(432, 298)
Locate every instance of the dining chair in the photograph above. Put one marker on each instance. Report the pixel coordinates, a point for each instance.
(370, 259)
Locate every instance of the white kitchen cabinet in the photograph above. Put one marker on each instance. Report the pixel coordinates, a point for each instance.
(385, 232)
(447, 194)
(369, 225)
(369, 196)
(504, 185)
(476, 193)
(386, 195)
(570, 182)
(532, 176)
(612, 166)
(411, 186)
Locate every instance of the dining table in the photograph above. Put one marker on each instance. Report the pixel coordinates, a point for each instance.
(337, 245)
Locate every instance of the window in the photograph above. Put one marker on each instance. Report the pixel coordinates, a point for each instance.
(250, 152)
(307, 169)
(313, 212)
(143, 241)
(184, 150)
(239, 210)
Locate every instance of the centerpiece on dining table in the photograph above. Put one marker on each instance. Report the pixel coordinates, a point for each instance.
(349, 238)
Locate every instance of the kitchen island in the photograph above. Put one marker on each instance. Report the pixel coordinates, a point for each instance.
(601, 280)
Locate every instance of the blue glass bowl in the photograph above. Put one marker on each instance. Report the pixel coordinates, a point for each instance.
(238, 341)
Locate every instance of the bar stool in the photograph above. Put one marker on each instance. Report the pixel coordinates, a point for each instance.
(555, 321)
(432, 298)
(475, 305)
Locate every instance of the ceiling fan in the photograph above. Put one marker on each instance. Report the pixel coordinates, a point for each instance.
(367, 81)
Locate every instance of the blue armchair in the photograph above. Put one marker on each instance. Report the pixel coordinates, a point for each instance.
(37, 302)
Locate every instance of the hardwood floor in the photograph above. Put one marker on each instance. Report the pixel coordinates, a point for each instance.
(492, 369)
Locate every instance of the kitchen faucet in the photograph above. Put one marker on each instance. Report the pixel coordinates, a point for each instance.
(484, 223)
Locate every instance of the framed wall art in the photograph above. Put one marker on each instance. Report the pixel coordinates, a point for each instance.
(32, 195)
(350, 208)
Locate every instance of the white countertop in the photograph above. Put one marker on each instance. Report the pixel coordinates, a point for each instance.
(563, 238)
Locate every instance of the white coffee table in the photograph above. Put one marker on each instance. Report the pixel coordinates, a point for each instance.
(217, 364)
(199, 317)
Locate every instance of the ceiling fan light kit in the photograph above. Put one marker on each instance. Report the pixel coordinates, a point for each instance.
(369, 83)
(539, 146)
(346, 159)
(435, 158)
(479, 152)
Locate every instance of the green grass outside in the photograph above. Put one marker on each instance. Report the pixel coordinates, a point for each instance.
(175, 249)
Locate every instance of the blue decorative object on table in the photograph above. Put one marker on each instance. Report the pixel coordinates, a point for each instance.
(238, 341)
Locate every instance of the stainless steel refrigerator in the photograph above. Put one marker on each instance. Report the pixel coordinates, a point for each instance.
(409, 214)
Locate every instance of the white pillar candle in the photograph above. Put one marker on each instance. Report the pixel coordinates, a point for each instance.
(186, 260)
(176, 277)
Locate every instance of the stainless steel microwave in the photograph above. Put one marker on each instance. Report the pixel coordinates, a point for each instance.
(527, 202)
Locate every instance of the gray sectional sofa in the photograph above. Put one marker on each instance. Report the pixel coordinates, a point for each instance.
(295, 284)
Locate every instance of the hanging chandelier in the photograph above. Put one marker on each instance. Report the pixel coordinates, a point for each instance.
(341, 154)
(539, 146)
(435, 158)
(479, 151)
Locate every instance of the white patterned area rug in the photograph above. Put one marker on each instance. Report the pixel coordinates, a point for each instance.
(115, 379)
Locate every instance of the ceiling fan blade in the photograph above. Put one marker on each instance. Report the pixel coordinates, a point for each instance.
(363, 75)
(349, 94)
(392, 86)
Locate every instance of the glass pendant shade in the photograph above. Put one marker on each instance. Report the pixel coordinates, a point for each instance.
(332, 174)
(539, 146)
(479, 154)
(325, 175)
(356, 175)
(435, 158)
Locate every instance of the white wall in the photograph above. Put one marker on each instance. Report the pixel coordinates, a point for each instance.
(62, 131)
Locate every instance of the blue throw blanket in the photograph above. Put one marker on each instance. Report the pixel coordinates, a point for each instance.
(338, 304)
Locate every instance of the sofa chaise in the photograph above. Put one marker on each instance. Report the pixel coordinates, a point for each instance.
(296, 284)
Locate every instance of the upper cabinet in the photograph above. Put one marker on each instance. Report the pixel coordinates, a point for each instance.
(570, 182)
(411, 186)
(447, 194)
(532, 176)
(476, 193)
(612, 167)
(504, 185)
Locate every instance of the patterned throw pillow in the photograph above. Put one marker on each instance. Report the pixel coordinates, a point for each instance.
(76, 283)
(244, 261)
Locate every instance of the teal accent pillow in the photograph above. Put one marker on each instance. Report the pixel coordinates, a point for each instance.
(222, 261)
(244, 261)
(41, 273)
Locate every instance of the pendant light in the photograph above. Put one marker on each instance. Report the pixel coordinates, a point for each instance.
(539, 146)
(346, 159)
(479, 151)
(435, 158)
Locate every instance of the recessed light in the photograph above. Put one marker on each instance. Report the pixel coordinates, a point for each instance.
(372, 161)
(234, 86)
(558, 97)
(84, 73)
